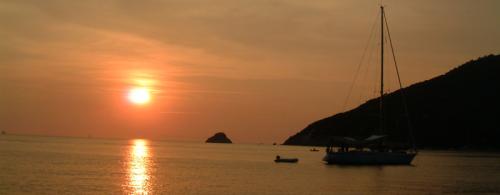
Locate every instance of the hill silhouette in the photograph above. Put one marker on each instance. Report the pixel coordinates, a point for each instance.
(460, 109)
(219, 137)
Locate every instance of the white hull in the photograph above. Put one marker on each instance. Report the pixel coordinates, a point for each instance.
(369, 158)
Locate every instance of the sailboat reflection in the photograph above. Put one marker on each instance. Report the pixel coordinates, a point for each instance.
(139, 167)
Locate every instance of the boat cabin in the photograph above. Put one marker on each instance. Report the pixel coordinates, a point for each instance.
(371, 143)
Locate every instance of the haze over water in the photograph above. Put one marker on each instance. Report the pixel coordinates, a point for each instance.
(58, 165)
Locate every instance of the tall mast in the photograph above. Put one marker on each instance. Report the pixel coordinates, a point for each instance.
(381, 68)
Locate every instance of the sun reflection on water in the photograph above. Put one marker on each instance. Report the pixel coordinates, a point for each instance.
(139, 167)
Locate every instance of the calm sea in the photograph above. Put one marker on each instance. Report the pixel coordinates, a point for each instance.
(56, 165)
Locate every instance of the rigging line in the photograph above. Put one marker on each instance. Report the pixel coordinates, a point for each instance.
(405, 105)
(359, 65)
(370, 65)
(393, 54)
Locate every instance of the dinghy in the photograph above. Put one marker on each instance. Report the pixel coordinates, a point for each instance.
(286, 160)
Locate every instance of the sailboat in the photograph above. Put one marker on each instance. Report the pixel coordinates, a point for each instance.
(372, 150)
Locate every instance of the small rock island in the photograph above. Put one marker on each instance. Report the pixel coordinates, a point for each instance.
(219, 137)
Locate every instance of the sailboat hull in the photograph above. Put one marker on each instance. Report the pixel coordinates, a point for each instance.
(369, 158)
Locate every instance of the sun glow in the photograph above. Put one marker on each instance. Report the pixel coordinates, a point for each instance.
(139, 96)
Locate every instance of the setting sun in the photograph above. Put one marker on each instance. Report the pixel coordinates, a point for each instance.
(139, 95)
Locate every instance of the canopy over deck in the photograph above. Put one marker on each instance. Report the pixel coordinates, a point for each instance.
(352, 142)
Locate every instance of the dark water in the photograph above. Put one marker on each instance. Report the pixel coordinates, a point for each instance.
(54, 165)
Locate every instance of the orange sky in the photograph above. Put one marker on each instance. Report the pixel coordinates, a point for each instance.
(258, 70)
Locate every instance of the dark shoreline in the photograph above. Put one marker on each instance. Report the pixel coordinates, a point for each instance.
(463, 149)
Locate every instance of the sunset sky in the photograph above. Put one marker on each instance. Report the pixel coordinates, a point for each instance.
(259, 71)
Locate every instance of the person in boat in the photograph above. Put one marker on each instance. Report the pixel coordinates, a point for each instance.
(278, 157)
(342, 149)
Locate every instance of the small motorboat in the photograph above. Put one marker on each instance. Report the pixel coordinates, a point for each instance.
(285, 160)
(314, 150)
